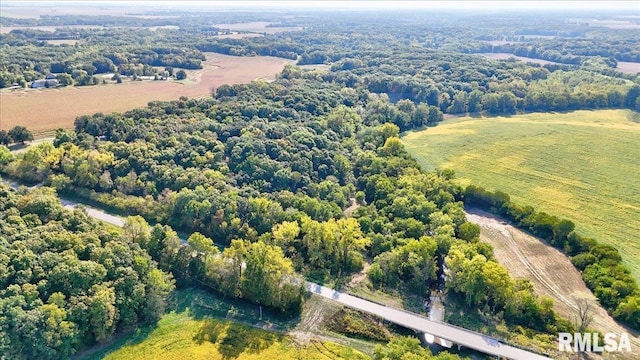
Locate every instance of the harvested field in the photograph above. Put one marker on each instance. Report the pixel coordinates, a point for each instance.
(62, 42)
(48, 109)
(500, 42)
(628, 67)
(323, 67)
(550, 271)
(236, 35)
(615, 24)
(8, 29)
(503, 56)
(256, 26)
(32, 11)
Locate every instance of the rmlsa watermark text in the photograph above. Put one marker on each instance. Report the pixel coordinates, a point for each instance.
(593, 342)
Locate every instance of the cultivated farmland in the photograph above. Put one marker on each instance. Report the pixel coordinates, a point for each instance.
(581, 165)
(49, 109)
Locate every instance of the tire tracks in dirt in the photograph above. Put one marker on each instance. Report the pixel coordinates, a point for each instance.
(550, 271)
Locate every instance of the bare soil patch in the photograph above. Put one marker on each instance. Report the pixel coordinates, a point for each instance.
(34, 11)
(256, 26)
(237, 35)
(323, 67)
(48, 109)
(615, 24)
(628, 67)
(62, 42)
(503, 56)
(550, 271)
(8, 29)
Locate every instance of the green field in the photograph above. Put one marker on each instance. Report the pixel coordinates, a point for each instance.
(583, 165)
(195, 328)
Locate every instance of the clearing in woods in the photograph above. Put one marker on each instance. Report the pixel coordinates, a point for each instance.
(199, 325)
(581, 165)
(550, 271)
(49, 109)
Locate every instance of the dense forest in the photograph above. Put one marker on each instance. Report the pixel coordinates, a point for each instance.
(262, 174)
(270, 184)
(67, 281)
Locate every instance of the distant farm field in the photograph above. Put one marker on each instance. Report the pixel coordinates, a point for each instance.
(583, 165)
(48, 109)
(628, 67)
(503, 56)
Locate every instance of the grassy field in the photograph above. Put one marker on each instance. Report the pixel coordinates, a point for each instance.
(198, 326)
(49, 109)
(178, 336)
(583, 165)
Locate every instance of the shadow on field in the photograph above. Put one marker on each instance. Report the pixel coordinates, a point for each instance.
(202, 304)
(234, 339)
(120, 339)
(18, 147)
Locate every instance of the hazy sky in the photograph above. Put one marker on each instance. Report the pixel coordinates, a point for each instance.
(632, 6)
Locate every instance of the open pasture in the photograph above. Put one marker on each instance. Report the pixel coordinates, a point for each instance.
(199, 325)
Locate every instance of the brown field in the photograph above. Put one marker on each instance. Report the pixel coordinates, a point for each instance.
(34, 11)
(49, 109)
(236, 35)
(256, 26)
(323, 67)
(62, 42)
(628, 67)
(7, 29)
(502, 56)
(500, 42)
(615, 24)
(550, 271)
(164, 27)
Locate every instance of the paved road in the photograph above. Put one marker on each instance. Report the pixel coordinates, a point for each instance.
(95, 213)
(466, 338)
(404, 318)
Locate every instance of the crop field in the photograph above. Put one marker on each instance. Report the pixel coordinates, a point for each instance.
(581, 165)
(47, 109)
(196, 328)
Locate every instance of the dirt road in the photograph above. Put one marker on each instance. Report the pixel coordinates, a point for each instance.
(550, 271)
